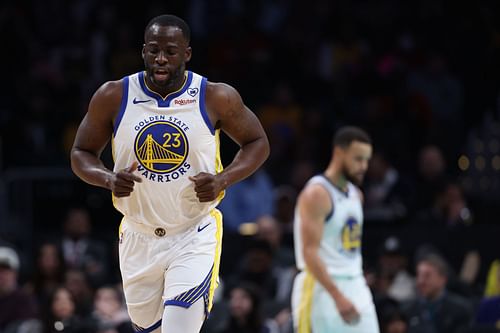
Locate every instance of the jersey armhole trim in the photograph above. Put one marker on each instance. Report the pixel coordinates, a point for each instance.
(123, 105)
(203, 109)
(330, 214)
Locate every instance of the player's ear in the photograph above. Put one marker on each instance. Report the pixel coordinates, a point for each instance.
(188, 53)
(143, 52)
(337, 151)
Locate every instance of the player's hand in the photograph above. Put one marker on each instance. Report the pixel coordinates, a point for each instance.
(207, 186)
(122, 182)
(347, 310)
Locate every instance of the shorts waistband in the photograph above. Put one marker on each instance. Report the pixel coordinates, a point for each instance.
(338, 276)
(346, 277)
(157, 231)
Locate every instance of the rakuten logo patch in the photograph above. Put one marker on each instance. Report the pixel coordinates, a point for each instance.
(184, 101)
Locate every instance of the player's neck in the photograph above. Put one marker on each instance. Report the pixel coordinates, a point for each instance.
(336, 177)
(165, 90)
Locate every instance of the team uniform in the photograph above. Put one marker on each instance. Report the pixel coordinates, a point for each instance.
(313, 309)
(170, 242)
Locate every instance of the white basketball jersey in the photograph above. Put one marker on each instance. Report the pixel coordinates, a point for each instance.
(171, 138)
(340, 247)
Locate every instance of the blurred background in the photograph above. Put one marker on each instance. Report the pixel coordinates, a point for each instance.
(422, 77)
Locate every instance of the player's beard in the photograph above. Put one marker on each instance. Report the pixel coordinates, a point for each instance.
(173, 79)
(351, 178)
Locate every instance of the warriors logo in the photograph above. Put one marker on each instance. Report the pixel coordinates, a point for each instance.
(351, 237)
(161, 147)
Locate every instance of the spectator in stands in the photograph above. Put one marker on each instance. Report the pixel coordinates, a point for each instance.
(245, 311)
(16, 306)
(61, 315)
(269, 229)
(386, 192)
(48, 274)
(247, 200)
(110, 312)
(393, 320)
(431, 175)
(449, 208)
(80, 250)
(392, 268)
(257, 267)
(300, 172)
(283, 268)
(275, 283)
(82, 293)
(244, 202)
(285, 197)
(436, 310)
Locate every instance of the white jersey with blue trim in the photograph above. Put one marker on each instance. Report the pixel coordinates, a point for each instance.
(340, 247)
(171, 138)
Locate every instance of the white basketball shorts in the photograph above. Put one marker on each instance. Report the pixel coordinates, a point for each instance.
(314, 310)
(159, 270)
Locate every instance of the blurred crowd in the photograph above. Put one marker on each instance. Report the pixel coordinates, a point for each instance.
(420, 76)
(74, 284)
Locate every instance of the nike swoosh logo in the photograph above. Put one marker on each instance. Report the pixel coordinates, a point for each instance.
(136, 101)
(200, 228)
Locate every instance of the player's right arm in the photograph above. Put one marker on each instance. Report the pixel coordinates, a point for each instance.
(92, 136)
(314, 205)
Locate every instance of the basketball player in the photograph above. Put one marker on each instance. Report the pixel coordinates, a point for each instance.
(164, 124)
(330, 293)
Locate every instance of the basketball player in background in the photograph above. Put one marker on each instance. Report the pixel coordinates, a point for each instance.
(330, 293)
(164, 124)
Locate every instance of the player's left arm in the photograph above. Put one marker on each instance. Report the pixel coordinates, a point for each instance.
(227, 111)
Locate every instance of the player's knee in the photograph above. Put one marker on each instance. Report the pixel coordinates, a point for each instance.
(155, 328)
(144, 317)
(186, 319)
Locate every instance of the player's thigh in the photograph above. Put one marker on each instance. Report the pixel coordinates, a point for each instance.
(326, 318)
(363, 300)
(324, 314)
(193, 273)
(142, 277)
(368, 322)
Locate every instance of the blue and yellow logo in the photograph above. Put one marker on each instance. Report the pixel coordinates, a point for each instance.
(161, 147)
(351, 236)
